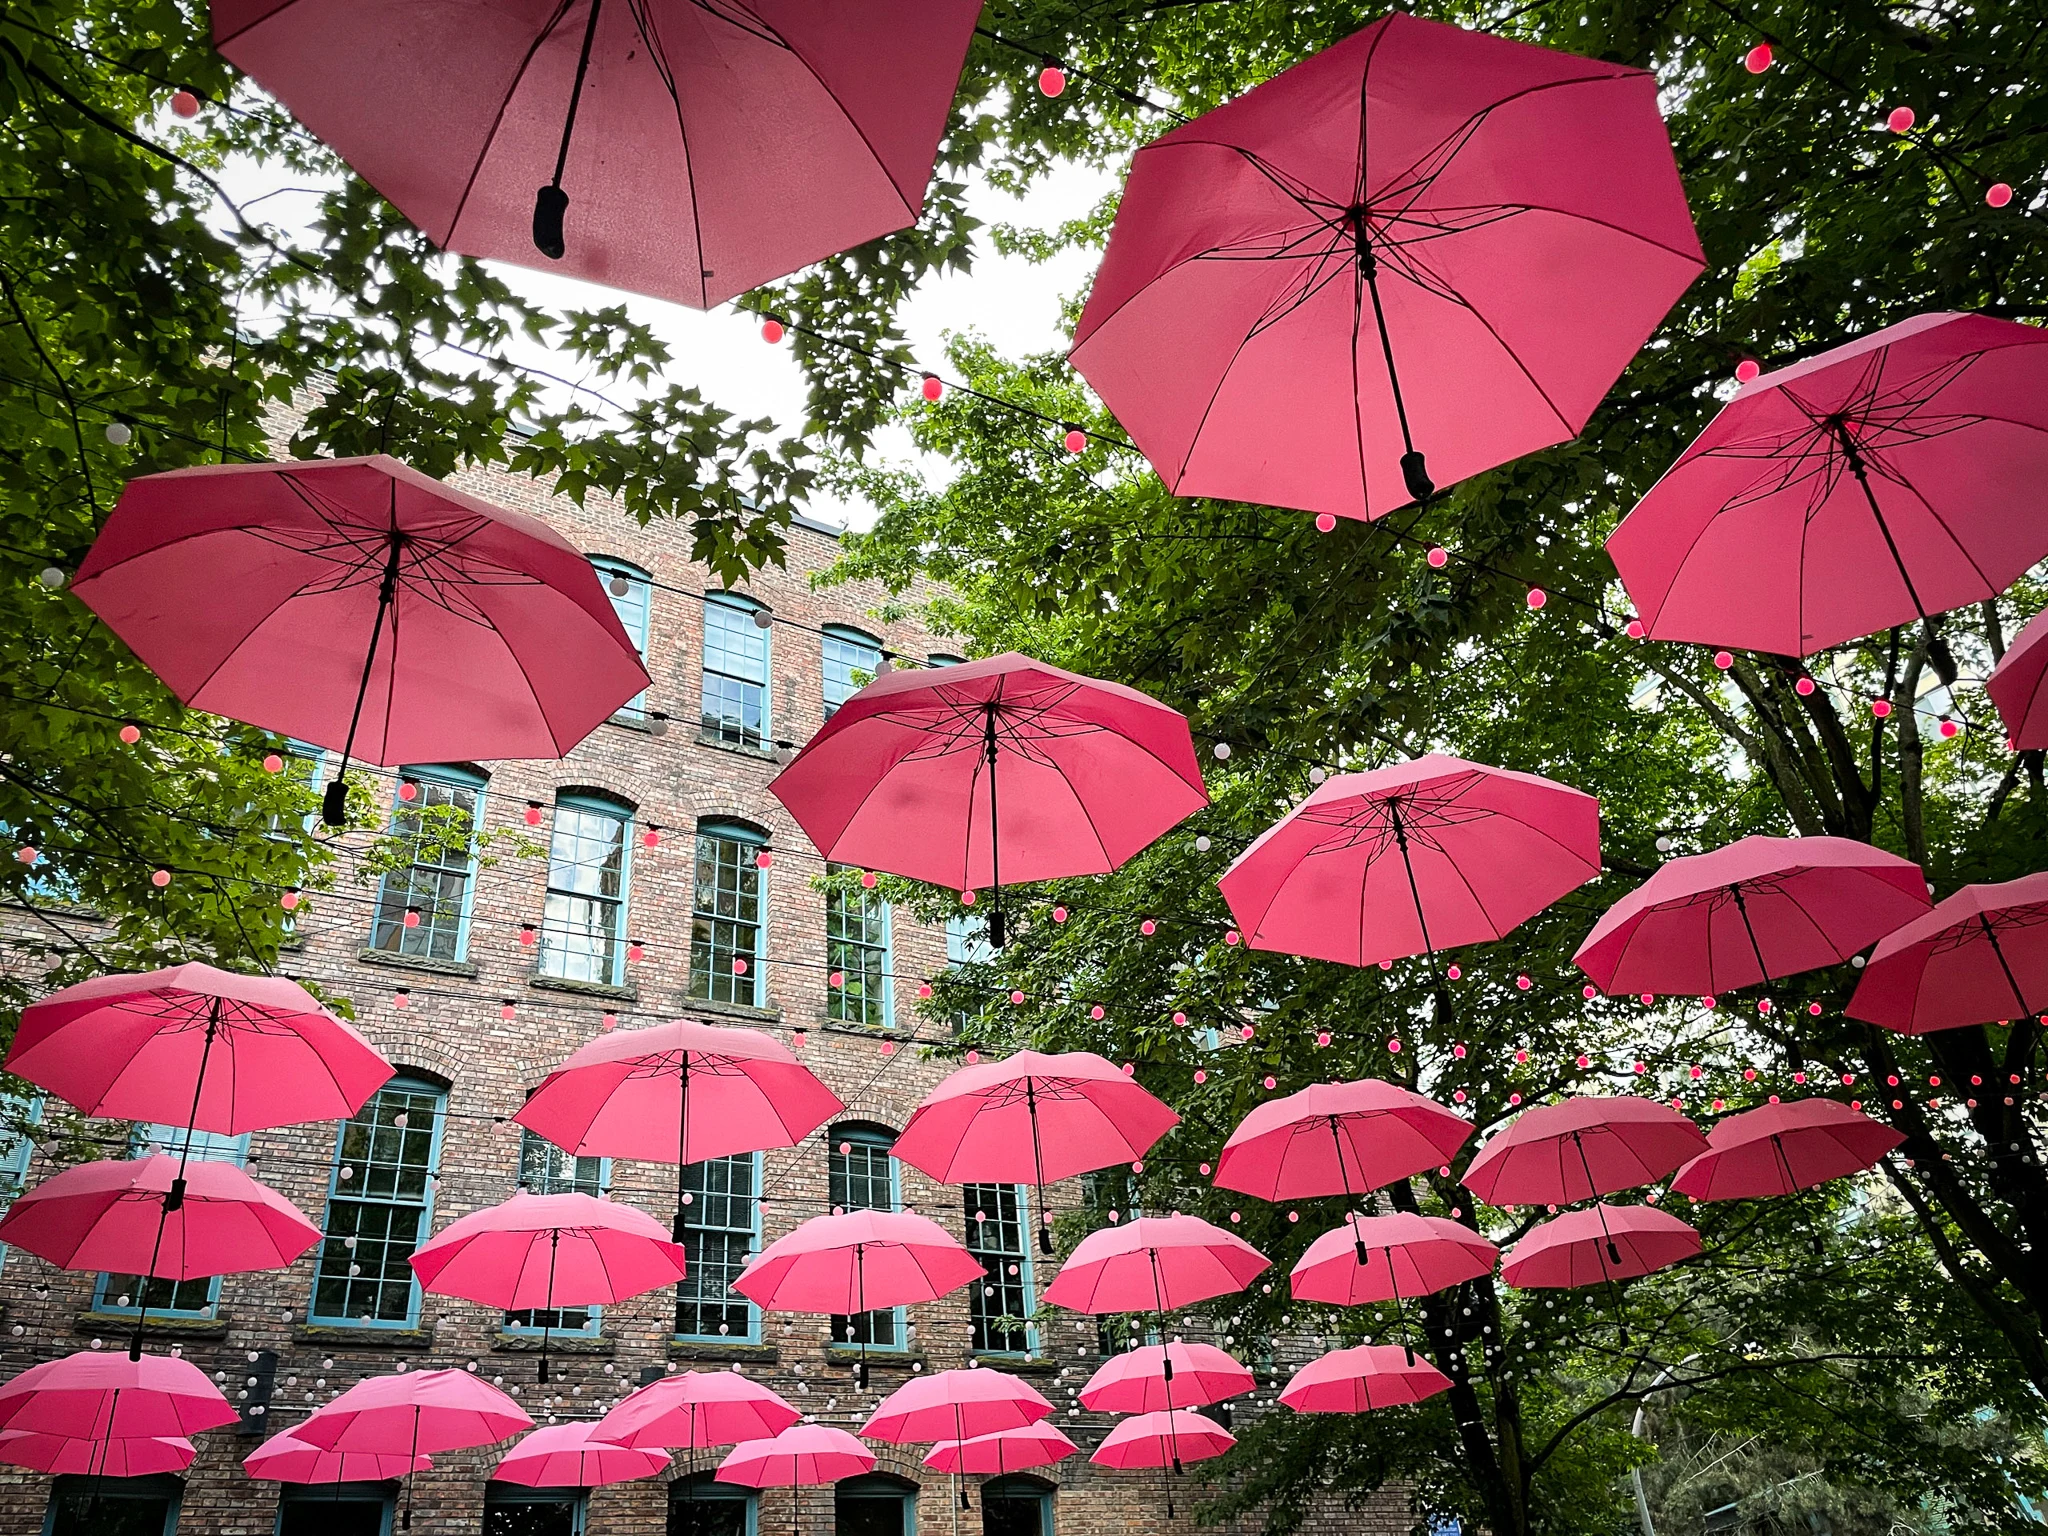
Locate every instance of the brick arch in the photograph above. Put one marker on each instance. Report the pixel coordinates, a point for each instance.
(630, 801)
(414, 1048)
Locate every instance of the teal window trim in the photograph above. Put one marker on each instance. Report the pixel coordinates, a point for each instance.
(15, 1151)
(502, 1495)
(703, 1487)
(943, 659)
(635, 610)
(315, 1498)
(711, 974)
(620, 908)
(83, 1491)
(987, 1198)
(540, 1175)
(452, 778)
(411, 1085)
(751, 1203)
(880, 1485)
(841, 1172)
(195, 1298)
(845, 651)
(730, 635)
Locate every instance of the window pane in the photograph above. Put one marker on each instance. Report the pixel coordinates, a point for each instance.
(508, 1514)
(545, 1169)
(735, 672)
(717, 1240)
(378, 1212)
(997, 1307)
(583, 923)
(1009, 1514)
(727, 919)
(865, 1515)
(857, 948)
(115, 1509)
(193, 1298)
(863, 1178)
(432, 879)
(695, 1509)
(850, 662)
(631, 597)
(309, 1513)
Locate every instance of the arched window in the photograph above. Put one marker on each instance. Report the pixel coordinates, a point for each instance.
(943, 659)
(861, 1175)
(1016, 1506)
(728, 914)
(875, 1505)
(423, 903)
(514, 1509)
(380, 1207)
(735, 670)
(700, 1505)
(335, 1509)
(142, 1505)
(851, 658)
(632, 593)
(583, 924)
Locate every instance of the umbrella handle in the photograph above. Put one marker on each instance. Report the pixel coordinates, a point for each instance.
(995, 839)
(551, 202)
(1414, 468)
(1037, 1150)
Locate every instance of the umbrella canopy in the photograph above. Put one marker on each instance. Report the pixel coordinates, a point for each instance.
(1371, 273)
(414, 1412)
(101, 1395)
(549, 1251)
(1754, 910)
(1405, 1255)
(2015, 687)
(574, 1456)
(1155, 1439)
(803, 1453)
(1005, 1451)
(1779, 1149)
(70, 1456)
(1154, 1264)
(1137, 1381)
(1362, 1378)
(955, 1405)
(286, 1458)
(857, 1262)
(695, 1409)
(1558, 1154)
(111, 1216)
(1412, 859)
(690, 152)
(1606, 1243)
(1979, 956)
(993, 770)
(251, 1052)
(1337, 1138)
(1880, 482)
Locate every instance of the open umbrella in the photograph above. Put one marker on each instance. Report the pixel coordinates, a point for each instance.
(1558, 1154)
(414, 1412)
(1158, 1377)
(1749, 912)
(1385, 256)
(1981, 955)
(1030, 1119)
(687, 151)
(1156, 1264)
(724, 1091)
(1161, 1440)
(264, 592)
(1362, 1378)
(72, 1456)
(692, 1410)
(1005, 1451)
(1779, 1149)
(2015, 687)
(1386, 1258)
(1875, 484)
(1004, 768)
(286, 1458)
(1605, 1244)
(573, 1455)
(545, 1252)
(92, 1395)
(955, 1405)
(802, 1454)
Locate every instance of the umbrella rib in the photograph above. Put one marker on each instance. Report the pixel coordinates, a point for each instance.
(498, 120)
(659, 57)
(1195, 437)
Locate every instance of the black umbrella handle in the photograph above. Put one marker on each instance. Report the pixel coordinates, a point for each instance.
(551, 202)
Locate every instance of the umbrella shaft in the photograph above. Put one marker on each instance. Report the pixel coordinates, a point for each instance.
(576, 92)
(995, 839)
(2004, 965)
(1856, 468)
(334, 810)
(1763, 972)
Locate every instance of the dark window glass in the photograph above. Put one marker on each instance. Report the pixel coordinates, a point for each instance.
(725, 924)
(997, 1307)
(720, 1235)
(701, 1506)
(864, 1508)
(510, 1510)
(102, 1506)
(352, 1509)
(433, 882)
(379, 1210)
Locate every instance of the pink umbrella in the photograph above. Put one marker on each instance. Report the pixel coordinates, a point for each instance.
(414, 1412)
(1976, 958)
(1417, 1256)
(1160, 1377)
(263, 592)
(287, 1459)
(1754, 910)
(70, 1456)
(724, 1090)
(574, 1456)
(1338, 1138)
(1558, 1154)
(903, 777)
(1412, 859)
(93, 1395)
(957, 1405)
(2015, 687)
(803, 1453)
(1362, 1378)
(695, 1409)
(1155, 1264)
(1778, 1149)
(708, 149)
(1162, 1439)
(549, 1251)
(1382, 254)
(1605, 1244)
(1077, 1112)
(1880, 482)
(1005, 1451)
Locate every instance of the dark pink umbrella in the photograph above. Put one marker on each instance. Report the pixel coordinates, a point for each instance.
(1877, 483)
(905, 776)
(1162, 1439)
(287, 1459)
(264, 592)
(1385, 253)
(1030, 1119)
(1605, 1244)
(94, 1395)
(1005, 1451)
(723, 1090)
(574, 1456)
(1362, 1378)
(1559, 1154)
(1154, 1264)
(955, 1405)
(804, 1453)
(686, 151)
(69, 1456)
(1413, 859)
(1979, 956)
(1749, 912)
(544, 1252)
(695, 1409)
(1779, 1149)
(1158, 1377)
(1386, 1258)
(2015, 687)
(411, 1413)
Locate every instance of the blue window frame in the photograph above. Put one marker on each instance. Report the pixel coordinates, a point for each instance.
(170, 1298)
(513, 1509)
(728, 914)
(583, 920)
(862, 1176)
(724, 1227)
(736, 703)
(857, 936)
(303, 765)
(632, 593)
(1016, 1506)
(380, 1208)
(700, 1505)
(545, 1169)
(127, 1506)
(851, 658)
(943, 659)
(17, 1113)
(967, 944)
(998, 1234)
(438, 882)
(336, 1509)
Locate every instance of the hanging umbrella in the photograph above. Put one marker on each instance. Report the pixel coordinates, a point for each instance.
(1978, 957)
(92, 1395)
(264, 592)
(2015, 687)
(1779, 1149)
(1384, 257)
(71, 1456)
(1387, 1258)
(1875, 484)
(1159, 1377)
(1605, 1244)
(1156, 1264)
(411, 1413)
(574, 1456)
(905, 776)
(286, 1458)
(1032, 1119)
(1362, 1378)
(1161, 1440)
(802, 1454)
(546, 1252)
(1559, 1154)
(693, 1410)
(1409, 860)
(724, 1090)
(1005, 1451)
(955, 1405)
(1750, 912)
(685, 151)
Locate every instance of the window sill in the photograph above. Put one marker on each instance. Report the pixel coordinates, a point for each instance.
(426, 963)
(122, 1324)
(730, 1010)
(1017, 1365)
(625, 994)
(626, 722)
(509, 1343)
(357, 1335)
(887, 1359)
(710, 739)
(704, 1349)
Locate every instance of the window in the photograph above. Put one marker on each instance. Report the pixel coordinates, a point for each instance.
(335, 1509)
(632, 592)
(1016, 1506)
(875, 1505)
(726, 921)
(302, 770)
(380, 1207)
(113, 1506)
(862, 1177)
(997, 1216)
(850, 662)
(170, 1298)
(512, 1509)
(724, 1225)
(857, 952)
(700, 1505)
(967, 944)
(545, 1169)
(435, 873)
(583, 923)
(735, 670)
(943, 659)
(17, 1113)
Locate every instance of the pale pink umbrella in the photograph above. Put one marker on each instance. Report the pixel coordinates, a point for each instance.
(1032, 1119)
(956, 1405)
(71, 1456)
(1979, 957)
(99, 1396)
(2015, 687)
(693, 1410)
(1161, 1440)
(574, 1456)
(1404, 1254)
(287, 1459)
(1605, 1244)
(414, 1412)
(1362, 1378)
(1779, 1149)
(1007, 1450)
(723, 1090)
(1558, 1154)
(1749, 912)
(1154, 1264)
(544, 1252)
(802, 1454)
(1161, 1377)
